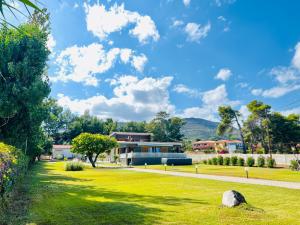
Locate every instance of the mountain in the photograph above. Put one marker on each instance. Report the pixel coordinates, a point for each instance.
(201, 129)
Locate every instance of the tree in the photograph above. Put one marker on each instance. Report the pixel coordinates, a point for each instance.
(229, 116)
(165, 128)
(24, 84)
(259, 117)
(133, 126)
(92, 145)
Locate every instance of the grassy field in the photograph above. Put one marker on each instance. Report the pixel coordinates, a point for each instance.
(281, 174)
(116, 197)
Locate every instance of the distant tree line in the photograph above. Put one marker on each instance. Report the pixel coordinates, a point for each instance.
(62, 125)
(263, 129)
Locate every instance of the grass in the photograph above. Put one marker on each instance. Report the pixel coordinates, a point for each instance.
(119, 197)
(281, 174)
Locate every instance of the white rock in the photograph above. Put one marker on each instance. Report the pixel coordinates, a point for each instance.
(232, 198)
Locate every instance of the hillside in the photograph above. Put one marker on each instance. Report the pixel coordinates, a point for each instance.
(200, 128)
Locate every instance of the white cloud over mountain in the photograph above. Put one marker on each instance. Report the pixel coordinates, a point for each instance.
(102, 22)
(287, 77)
(134, 99)
(82, 64)
(211, 100)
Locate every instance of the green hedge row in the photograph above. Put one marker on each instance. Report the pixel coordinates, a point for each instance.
(239, 161)
(13, 166)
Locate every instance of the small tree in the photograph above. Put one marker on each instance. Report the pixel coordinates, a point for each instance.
(92, 145)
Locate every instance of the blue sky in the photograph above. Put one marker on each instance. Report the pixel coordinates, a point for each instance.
(130, 59)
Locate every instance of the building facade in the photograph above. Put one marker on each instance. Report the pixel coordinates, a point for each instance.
(138, 149)
(221, 146)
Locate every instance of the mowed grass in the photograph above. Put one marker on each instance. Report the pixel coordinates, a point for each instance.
(116, 197)
(281, 174)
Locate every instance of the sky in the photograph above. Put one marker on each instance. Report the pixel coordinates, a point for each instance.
(128, 60)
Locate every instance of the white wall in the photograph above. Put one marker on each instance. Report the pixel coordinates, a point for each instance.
(281, 159)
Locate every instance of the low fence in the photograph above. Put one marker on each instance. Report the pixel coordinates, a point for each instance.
(281, 159)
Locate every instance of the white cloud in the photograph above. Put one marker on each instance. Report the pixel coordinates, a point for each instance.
(287, 77)
(244, 112)
(51, 43)
(76, 5)
(291, 111)
(177, 23)
(196, 31)
(134, 99)
(181, 88)
(101, 22)
(186, 2)
(138, 62)
(82, 64)
(224, 74)
(211, 100)
(296, 58)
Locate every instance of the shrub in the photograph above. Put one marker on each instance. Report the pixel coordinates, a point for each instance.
(214, 161)
(220, 160)
(204, 161)
(233, 160)
(271, 163)
(241, 161)
(294, 165)
(260, 161)
(13, 166)
(209, 162)
(226, 161)
(74, 166)
(250, 161)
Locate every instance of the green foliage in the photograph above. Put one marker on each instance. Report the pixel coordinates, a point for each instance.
(233, 160)
(93, 144)
(214, 161)
(271, 163)
(74, 166)
(165, 128)
(295, 165)
(24, 84)
(187, 145)
(13, 164)
(220, 160)
(241, 161)
(260, 161)
(59, 157)
(226, 161)
(250, 161)
(210, 162)
(133, 126)
(204, 161)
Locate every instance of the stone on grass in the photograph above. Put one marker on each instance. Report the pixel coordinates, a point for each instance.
(233, 198)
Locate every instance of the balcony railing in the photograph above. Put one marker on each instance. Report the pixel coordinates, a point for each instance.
(152, 155)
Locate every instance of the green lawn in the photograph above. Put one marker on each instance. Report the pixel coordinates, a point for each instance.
(116, 197)
(236, 171)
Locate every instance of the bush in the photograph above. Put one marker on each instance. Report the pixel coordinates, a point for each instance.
(241, 161)
(13, 166)
(210, 162)
(74, 166)
(226, 161)
(214, 161)
(233, 160)
(204, 161)
(260, 161)
(220, 160)
(271, 163)
(250, 161)
(294, 165)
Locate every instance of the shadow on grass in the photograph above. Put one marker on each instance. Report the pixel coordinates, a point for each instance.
(57, 203)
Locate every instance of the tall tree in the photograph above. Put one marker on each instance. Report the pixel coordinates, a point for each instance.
(24, 83)
(230, 116)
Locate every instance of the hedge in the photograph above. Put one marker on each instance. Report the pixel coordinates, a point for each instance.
(13, 166)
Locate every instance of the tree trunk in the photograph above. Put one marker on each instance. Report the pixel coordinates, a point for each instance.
(241, 133)
(92, 161)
